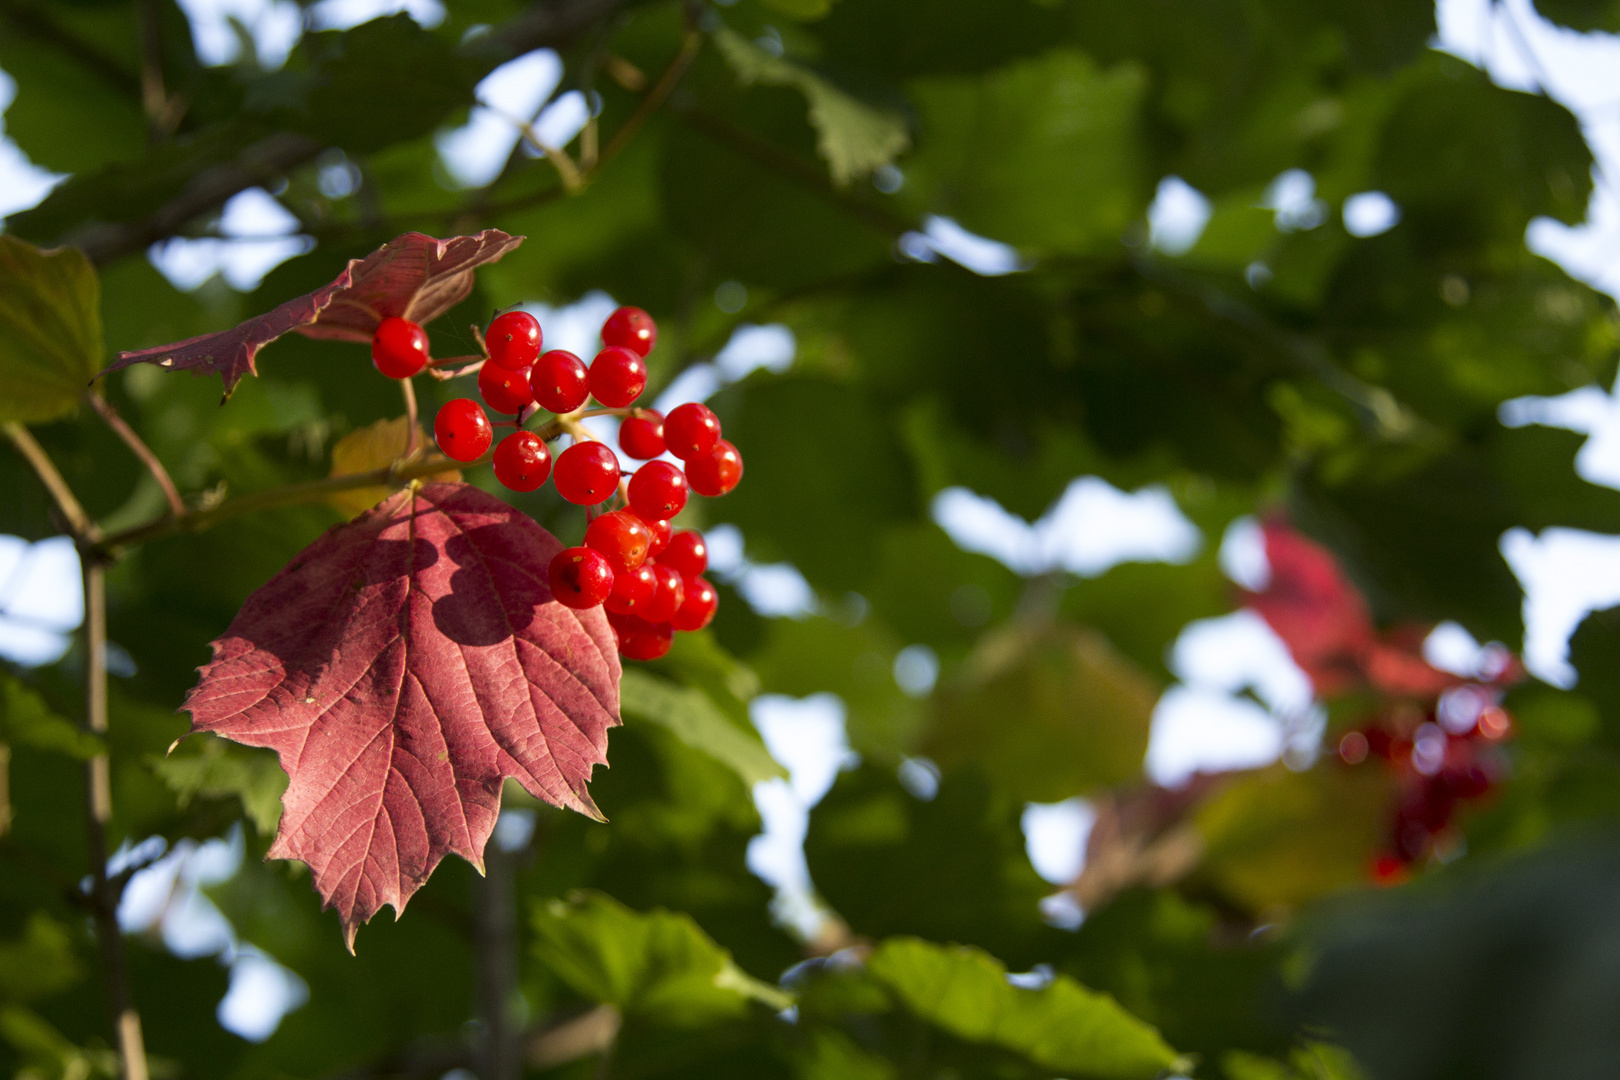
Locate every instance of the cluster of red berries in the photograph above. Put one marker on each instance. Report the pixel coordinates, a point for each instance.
(1450, 756)
(648, 576)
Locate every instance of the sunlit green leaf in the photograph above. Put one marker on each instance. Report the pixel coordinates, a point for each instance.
(50, 330)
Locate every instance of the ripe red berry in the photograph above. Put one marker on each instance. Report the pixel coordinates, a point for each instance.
(513, 340)
(580, 578)
(399, 348)
(618, 376)
(642, 434)
(698, 607)
(632, 589)
(687, 553)
(587, 473)
(668, 597)
(716, 472)
(658, 491)
(631, 328)
(640, 639)
(462, 430)
(506, 390)
(560, 381)
(691, 430)
(622, 537)
(522, 461)
(661, 533)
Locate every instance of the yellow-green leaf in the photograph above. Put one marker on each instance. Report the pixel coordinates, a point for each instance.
(50, 330)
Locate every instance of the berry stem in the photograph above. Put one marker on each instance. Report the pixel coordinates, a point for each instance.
(121, 428)
(413, 440)
(468, 365)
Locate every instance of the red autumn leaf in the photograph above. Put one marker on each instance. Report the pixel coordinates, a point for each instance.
(402, 666)
(413, 276)
(1315, 610)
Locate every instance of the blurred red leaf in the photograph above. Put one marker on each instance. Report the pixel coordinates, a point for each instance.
(1313, 607)
(402, 666)
(413, 276)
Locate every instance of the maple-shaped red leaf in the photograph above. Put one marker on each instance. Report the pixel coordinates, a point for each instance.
(1314, 608)
(402, 666)
(412, 276)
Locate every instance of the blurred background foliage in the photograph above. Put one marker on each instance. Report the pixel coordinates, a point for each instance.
(814, 164)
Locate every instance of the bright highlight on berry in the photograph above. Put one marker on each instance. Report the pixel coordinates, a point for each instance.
(503, 389)
(399, 348)
(620, 536)
(658, 491)
(560, 381)
(642, 434)
(717, 472)
(691, 430)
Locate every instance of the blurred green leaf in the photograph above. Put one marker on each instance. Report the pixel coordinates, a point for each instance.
(1062, 1026)
(1043, 154)
(695, 720)
(1048, 711)
(658, 965)
(216, 769)
(25, 720)
(853, 137)
(50, 330)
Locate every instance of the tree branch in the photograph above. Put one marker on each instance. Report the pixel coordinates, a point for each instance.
(35, 23)
(115, 974)
(104, 409)
(67, 504)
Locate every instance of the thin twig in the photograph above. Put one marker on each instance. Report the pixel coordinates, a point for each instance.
(154, 99)
(126, 1020)
(121, 428)
(648, 105)
(67, 504)
(413, 439)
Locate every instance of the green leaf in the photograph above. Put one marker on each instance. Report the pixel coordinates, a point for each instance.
(1063, 1026)
(217, 769)
(1049, 712)
(50, 330)
(25, 720)
(1045, 154)
(1277, 838)
(854, 138)
(659, 965)
(697, 721)
(39, 963)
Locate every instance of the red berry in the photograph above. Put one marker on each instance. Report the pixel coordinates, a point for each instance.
(462, 430)
(691, 430)
(622, 537)
(632, 589)
(668, 597)
(618, 376)
(399, 348)
(698, 607)
(640, 639)
(513, 340)
(687, 553)
(658, 491)
(631, 328)
(522, 461)
(580, 578)
(560, 381)
(506, 390)
(642, 434)
(716, 472)
(587, 473)
(661, 533)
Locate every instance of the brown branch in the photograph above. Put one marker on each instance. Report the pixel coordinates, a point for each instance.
(67, 504)
(495, 959)
(413, 435)
(104, 408)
